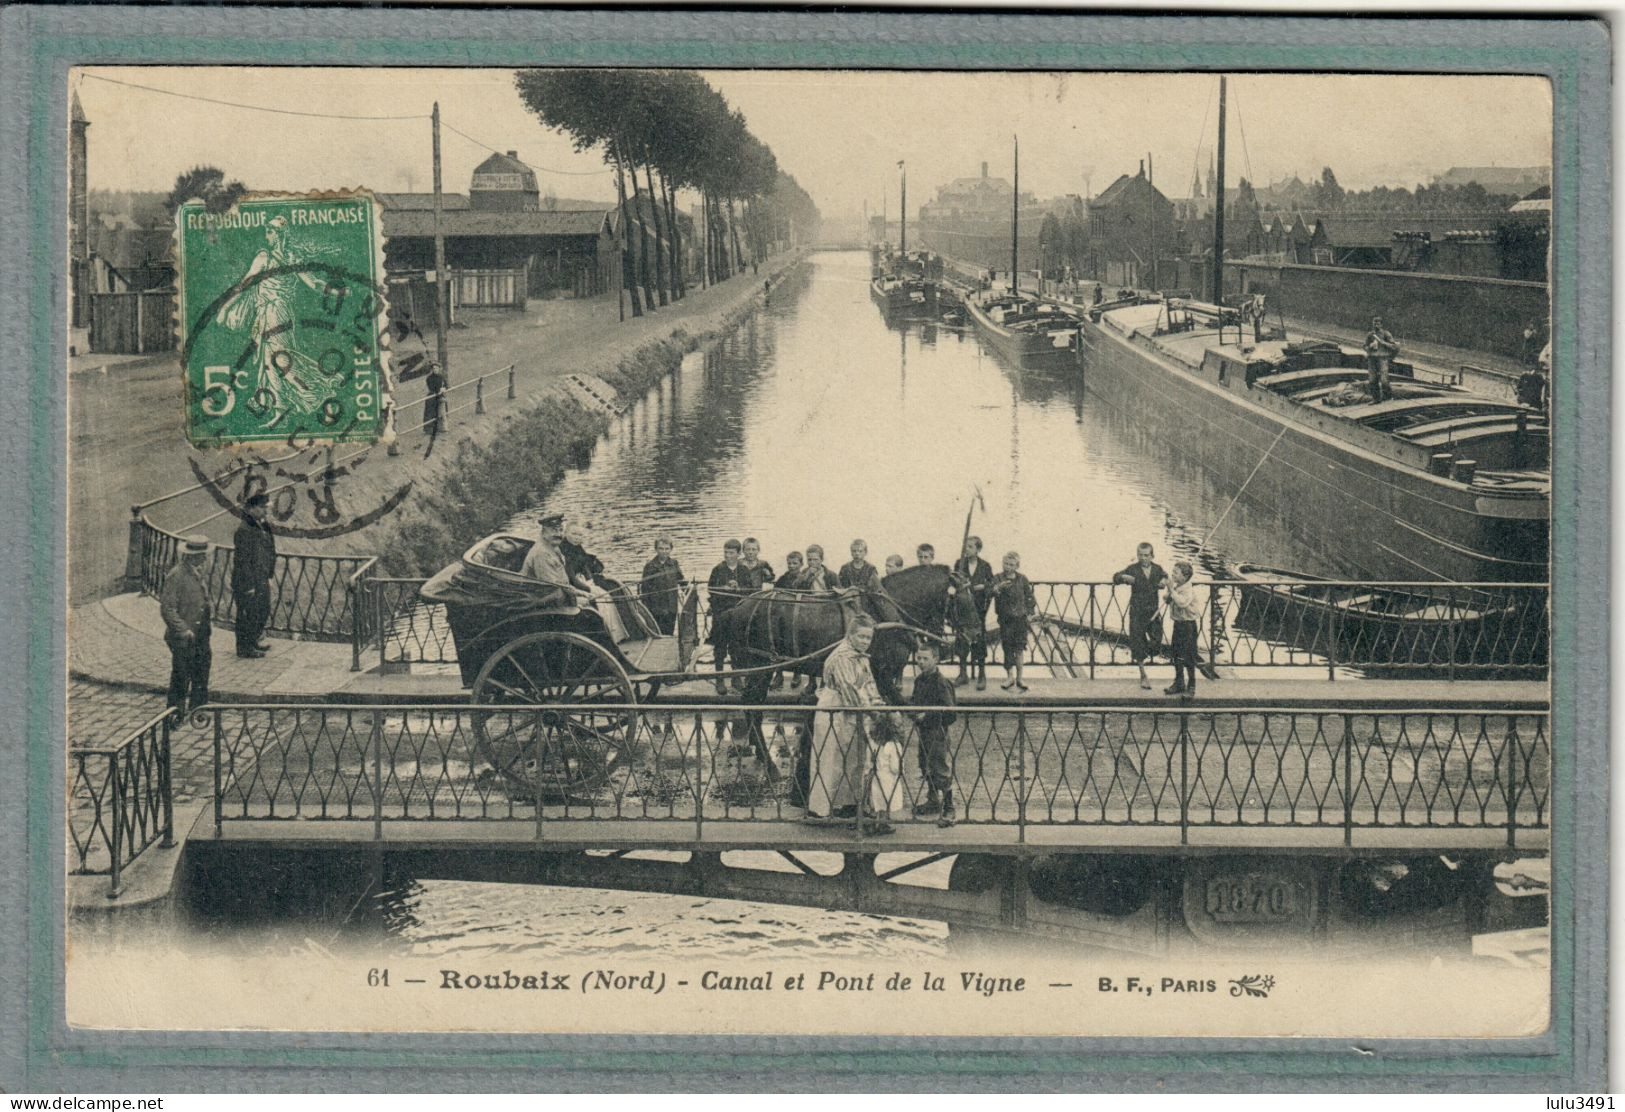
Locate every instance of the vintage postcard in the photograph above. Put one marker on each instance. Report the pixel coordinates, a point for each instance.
(628, 550)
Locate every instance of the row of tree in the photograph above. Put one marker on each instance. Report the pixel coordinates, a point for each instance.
(1325, 194)
(680, 134)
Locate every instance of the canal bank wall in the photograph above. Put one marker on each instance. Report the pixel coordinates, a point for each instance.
(495, 469)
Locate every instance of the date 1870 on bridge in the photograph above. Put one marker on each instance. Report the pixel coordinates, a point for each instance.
(282, 319)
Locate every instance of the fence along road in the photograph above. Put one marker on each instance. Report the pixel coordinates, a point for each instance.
(312, 594)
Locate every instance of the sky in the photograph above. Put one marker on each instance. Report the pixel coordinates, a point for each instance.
(840, 133)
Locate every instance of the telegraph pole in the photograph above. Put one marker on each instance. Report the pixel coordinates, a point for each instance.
(442, 287)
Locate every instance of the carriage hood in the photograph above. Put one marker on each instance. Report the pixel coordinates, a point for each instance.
(488, 575)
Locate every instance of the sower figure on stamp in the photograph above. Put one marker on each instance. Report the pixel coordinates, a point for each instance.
(252, 566)
(184, 604)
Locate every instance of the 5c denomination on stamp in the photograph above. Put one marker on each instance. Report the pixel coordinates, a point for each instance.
(283, 320)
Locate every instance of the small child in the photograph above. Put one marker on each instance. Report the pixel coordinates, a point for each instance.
(1014, 604)
(661, 584)
(789, 581)
(757, 572)
(894, 564)
(932, 689)
(792, 571)
(926, 555)
(818, 577)
(726, 588)
(859, 572)
(1183, 608)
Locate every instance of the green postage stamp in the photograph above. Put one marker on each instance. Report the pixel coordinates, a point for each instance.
(282, 320)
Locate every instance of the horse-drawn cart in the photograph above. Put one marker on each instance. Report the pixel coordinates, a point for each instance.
(525, 643)
(560, 688)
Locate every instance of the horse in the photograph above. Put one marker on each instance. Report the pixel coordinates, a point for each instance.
(775, 626)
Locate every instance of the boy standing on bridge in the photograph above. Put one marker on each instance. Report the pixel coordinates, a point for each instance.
(859, 572)
(758, 573)
(662, 579)
(726, 587)
(1014, 604)
(817, 577)
(1183, 607)
(792, 572)
(1145, 580)
(932, 689)
(972, 645)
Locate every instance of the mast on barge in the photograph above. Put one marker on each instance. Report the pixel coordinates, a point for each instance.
(1218, 211)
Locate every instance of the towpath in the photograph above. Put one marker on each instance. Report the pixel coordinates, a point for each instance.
(125, 415)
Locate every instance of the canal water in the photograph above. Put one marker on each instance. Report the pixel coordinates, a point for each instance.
(816, 422)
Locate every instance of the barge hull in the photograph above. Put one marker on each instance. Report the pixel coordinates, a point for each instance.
(1365, 517)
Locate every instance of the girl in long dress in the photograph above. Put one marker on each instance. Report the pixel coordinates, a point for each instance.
(844, 736)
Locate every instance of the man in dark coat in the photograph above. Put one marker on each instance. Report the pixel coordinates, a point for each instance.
(184, 605)
(434, 400)
(253, 563)
(972, 647)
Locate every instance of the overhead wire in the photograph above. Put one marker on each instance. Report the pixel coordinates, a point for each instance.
(329, 116)
(248, 107)
(543, 169)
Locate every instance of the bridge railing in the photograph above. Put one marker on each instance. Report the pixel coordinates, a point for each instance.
(310, 593)
(1455, 630)
(1480, 776)
(120, 801)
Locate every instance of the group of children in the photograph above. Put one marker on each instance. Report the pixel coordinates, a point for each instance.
(742, 571)
(1151, 589)
(1148, 583)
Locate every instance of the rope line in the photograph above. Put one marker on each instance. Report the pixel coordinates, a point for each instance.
(1241, 125)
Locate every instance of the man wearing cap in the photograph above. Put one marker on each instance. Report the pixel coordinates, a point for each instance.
(184, 604)
(544, 561)
(252, 565)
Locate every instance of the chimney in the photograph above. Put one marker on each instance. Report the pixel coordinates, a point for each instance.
(1150, 169)
(984, 169)
(513, 155)
(1142, 167)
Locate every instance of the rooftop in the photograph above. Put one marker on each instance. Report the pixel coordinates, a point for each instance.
(467, 222)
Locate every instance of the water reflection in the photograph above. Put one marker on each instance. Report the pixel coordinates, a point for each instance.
(817, 422)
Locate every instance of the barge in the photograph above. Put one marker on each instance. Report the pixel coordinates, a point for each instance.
(1435, 483)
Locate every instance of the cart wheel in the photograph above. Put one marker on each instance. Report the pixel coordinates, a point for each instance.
(554, 743)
